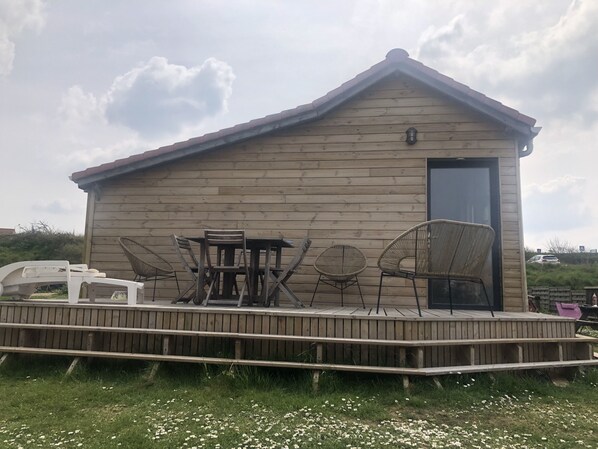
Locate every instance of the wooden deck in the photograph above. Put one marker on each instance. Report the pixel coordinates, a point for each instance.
(336, 338)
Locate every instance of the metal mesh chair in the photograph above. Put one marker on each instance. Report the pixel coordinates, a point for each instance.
(189, 261)
(438, 249)
(339, 266)
(147, 264)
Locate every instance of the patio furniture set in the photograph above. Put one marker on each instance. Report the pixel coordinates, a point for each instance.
(224, 255)
(436, 249)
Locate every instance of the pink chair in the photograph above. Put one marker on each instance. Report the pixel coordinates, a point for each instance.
(570, 310)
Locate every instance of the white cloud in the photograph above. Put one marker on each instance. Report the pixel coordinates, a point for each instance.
(160, 98)
(542, 61)
(84, 157)
(7, 54)
(16, 16)
(78, 106)
(57, 207)
(156, 99)
(556, 205)
(570, 183)
(149, 106)
(436, 42)
(550, 68)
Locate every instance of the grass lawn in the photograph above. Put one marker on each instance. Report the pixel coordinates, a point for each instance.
(111, 405)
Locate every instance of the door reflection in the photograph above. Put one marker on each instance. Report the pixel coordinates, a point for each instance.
(465, 191)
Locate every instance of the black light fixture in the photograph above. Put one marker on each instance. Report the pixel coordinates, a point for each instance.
(411, 136)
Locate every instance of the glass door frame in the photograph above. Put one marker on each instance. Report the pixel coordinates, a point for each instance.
(495, 221)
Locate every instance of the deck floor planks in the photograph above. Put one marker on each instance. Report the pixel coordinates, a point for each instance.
(434, 313)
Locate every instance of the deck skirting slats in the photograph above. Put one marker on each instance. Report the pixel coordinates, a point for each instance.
(402, 343)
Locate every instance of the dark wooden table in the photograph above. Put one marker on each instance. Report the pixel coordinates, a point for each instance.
(589, 317)
(256, 245)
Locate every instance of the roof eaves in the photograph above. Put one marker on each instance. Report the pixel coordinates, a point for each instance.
(397, 60)
(180, 150)
(465, 95)
(258, 127)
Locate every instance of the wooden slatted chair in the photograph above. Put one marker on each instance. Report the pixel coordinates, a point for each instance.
(280, 277)
(339, 266)
(226, 244)
(147, 264)
(438, 249)
(189, 261)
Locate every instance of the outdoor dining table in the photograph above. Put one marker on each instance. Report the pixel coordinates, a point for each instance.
(255, 245)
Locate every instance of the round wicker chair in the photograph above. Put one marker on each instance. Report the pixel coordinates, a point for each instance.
(339, 266)
(147, 265)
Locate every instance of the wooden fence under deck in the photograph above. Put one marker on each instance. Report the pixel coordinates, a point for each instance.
(354, 339)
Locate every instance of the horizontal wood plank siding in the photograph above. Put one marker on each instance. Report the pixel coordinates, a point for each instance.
(347, 178)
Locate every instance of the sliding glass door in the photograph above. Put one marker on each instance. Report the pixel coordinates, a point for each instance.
(466, 190)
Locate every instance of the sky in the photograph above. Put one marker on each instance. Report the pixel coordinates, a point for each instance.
(83, 83)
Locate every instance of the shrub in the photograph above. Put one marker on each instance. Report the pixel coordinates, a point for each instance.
(575, 277)
(41, 242)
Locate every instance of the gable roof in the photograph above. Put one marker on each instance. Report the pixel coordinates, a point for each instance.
(396, 61)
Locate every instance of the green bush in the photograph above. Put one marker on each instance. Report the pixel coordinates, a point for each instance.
(41, 242)
(575, 277)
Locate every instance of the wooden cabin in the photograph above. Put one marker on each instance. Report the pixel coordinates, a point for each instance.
(338, 170)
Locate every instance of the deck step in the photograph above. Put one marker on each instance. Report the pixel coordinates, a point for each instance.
(436, 371)
(300, 338)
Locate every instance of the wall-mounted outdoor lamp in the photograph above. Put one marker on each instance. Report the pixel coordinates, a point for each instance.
(411, 136)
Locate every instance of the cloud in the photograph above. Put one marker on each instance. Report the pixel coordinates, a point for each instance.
(436, 42)
(16, 16)
(550, 69)
(161, 98)
(56, 207)
(541, 61)
(156, 99)
(77, 106)
(559, 65)
(91, 156)
(86, 138)
(556, 205)
(147, 107)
